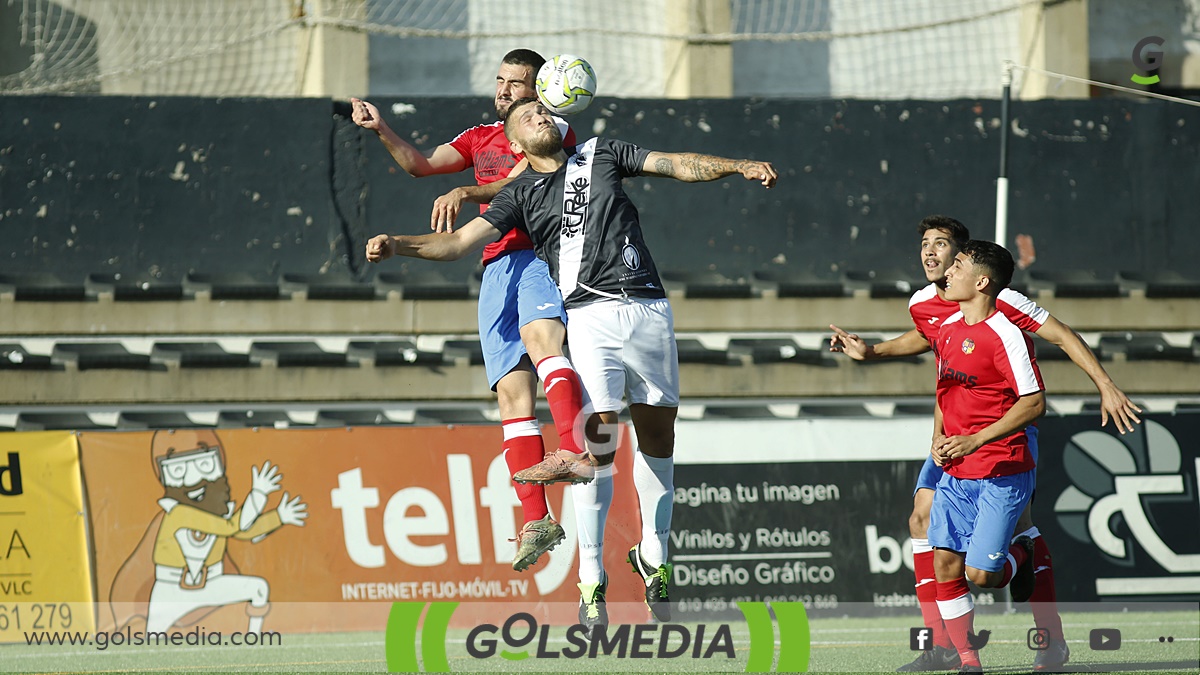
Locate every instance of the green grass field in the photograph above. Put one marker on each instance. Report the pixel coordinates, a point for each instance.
(875, 645)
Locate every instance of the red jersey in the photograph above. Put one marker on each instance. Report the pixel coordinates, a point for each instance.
(982, 371)
(486, 148)
(929, 311)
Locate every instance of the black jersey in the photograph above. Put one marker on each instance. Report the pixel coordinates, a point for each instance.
(583, 224)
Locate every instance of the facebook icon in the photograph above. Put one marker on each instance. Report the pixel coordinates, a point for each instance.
(920, 639)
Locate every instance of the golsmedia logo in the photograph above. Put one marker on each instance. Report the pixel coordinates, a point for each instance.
(1147, 60)
(521, 637)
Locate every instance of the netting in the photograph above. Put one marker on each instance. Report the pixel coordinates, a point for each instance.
(806, 48)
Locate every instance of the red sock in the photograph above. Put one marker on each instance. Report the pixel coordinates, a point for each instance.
(565, 395)
(927, 594)
(522, 449)
(958, 611)
(1016, 558)
(1043, 603)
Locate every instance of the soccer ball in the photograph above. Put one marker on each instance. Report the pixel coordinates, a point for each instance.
(566, 84)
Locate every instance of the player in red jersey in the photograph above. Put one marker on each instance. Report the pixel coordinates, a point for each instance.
(941, 240)
(989, 393)
(521, 314)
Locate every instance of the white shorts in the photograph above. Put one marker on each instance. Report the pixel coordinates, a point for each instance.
(623, 347)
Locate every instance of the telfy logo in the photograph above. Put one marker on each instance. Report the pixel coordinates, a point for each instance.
(1147, 60)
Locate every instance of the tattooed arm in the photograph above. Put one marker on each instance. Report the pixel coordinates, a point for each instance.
(690, 167)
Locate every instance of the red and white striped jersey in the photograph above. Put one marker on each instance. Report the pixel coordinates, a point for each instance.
(982, 370)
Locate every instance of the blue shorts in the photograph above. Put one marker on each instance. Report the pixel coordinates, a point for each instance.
(516, 289)
(978, 516)
(932, 473)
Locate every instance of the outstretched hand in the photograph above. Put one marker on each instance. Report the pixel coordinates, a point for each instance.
(1115, 404)
(380, 247)
(760, 171)
(365, 115)
(849, 343)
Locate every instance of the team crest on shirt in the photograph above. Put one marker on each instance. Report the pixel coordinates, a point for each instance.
(630, 256)
(968, 346)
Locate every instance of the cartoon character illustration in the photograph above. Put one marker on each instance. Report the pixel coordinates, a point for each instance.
(191, 534)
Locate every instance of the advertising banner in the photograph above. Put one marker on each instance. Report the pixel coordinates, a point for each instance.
(45, 575)
(350, 516)
(812, 511)
(1121, 513)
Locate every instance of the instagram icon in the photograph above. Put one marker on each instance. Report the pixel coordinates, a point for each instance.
(1038, 639)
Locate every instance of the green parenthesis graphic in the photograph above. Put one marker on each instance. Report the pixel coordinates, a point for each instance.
(1142, 79)
(762, 637)
(400, 639)
(433, 636)
(794, 642)
(514, 656)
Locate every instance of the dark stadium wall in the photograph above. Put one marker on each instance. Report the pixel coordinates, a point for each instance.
(159, 185)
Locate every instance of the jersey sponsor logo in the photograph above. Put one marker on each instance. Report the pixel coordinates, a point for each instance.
(968, 346)
(630, 256)
(996, 556)
(934, 319)
(575, 203)
(949, 373)
(491, 163)
(546, 306)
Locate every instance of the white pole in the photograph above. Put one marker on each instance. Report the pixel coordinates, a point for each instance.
(1002, 180)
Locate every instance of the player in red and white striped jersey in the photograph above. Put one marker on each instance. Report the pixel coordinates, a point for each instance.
(989, 393)
(941, 240)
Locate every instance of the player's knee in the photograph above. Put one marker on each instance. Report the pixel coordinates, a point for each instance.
(983, 578)
(602, 435)
(260, 592)
(918, 524)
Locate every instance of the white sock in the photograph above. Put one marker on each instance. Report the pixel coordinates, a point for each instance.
(654, 478)
(592, 501)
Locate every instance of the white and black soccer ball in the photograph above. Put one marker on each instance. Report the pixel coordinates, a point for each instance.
(565, 84)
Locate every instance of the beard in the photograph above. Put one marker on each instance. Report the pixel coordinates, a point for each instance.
(215, 499)
(544, 144)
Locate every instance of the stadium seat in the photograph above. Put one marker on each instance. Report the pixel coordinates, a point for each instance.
(423, 284)
(921, 408)
(693, 351)
(14, 357)
(325, 287)
(125, 288)
(44, 421)
(351, 418)
(776, 350)
(440, 416)
(1044, 350)
(464, 351)
(738, 412)
(709, 285)
(799, 284)
(197, 355)
(886, 283)
(40, 288)
(1075, 283)
(234, 286)
(291, 354)
(1143, 347)
(156, 420)
(94, 355)
(254, 418)
(833, 410)
(391, 353)
(1161, 284)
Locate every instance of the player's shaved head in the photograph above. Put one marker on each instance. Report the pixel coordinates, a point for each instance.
(993, 260)
(958, 232)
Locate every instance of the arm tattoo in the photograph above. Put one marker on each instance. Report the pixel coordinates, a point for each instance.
(707, 167)
(664, 167)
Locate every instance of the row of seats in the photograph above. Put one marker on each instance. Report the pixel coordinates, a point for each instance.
(428, 282)
(165, 353)
(449, 414)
